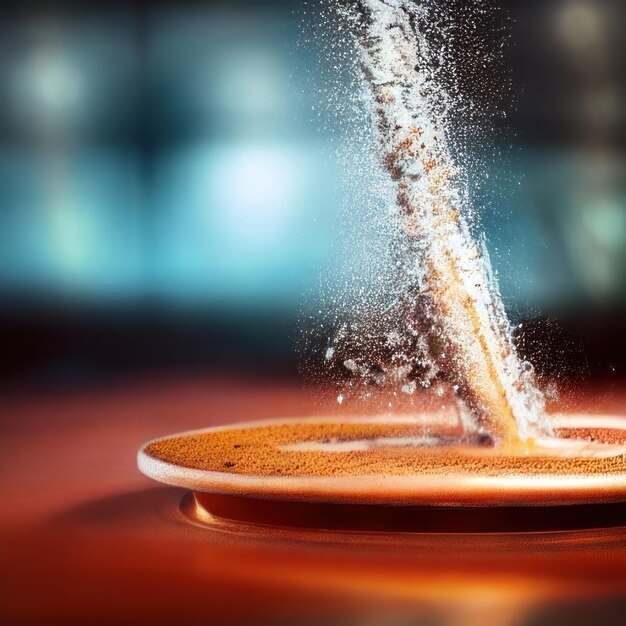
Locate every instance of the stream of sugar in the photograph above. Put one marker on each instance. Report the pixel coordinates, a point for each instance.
(469, 337)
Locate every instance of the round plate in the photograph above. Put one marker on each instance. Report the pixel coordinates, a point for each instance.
(394, 460)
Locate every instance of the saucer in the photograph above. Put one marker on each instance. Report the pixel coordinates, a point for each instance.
(394, 460)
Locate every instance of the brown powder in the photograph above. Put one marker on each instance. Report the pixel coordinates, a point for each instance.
(259, 451)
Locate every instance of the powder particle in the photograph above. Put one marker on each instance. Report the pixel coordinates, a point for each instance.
(368, 449)
(469, 338)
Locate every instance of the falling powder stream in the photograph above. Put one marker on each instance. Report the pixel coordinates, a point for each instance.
(470, 336)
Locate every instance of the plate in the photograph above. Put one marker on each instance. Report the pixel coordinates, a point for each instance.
(394, 460)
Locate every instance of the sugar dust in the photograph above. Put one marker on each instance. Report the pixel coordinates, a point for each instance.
(424, 311)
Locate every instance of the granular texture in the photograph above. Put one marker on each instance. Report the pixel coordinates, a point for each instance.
(453, 305)
(265, 451)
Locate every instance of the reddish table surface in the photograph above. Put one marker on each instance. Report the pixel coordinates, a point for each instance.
(86, 539)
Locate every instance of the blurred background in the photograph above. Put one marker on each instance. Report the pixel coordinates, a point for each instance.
(168, 196)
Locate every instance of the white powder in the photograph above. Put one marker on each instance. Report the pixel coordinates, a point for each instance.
(414, 302)
(455, 319)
